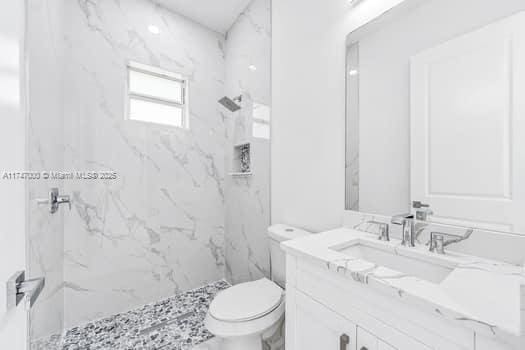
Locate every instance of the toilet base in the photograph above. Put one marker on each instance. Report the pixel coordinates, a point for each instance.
(253, 342)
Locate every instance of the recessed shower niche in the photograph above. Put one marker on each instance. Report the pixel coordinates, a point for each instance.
(241, 160)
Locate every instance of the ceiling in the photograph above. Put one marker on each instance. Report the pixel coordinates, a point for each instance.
(218, 15)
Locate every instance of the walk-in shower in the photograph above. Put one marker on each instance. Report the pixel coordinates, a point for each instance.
(129, 132)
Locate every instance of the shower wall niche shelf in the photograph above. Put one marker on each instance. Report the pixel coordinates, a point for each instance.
(241, 160)
(241, 174)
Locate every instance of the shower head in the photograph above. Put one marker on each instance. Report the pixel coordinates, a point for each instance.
(231, 104)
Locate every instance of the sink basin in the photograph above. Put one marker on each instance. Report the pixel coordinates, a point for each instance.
(409, 263)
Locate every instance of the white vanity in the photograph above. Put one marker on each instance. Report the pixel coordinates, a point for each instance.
(348, 290)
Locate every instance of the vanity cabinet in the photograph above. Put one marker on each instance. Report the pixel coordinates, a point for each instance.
(316, 327)
(322, 308)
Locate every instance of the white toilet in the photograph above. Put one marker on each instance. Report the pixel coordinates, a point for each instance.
(246, 313)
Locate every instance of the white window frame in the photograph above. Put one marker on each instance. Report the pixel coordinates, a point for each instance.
(159, 73)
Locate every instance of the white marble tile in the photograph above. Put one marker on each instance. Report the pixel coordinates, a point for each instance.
(159, 228)
(247, 198)
(45, 152)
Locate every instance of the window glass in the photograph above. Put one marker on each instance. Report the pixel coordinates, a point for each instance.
(155, 112)
(154, 86)
(156, 96)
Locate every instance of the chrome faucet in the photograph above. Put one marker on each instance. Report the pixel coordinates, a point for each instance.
(384, 234)
(438, 241)
(407, 222)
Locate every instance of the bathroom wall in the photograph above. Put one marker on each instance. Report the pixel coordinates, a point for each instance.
(248, 198)
(384, 57)
(159, 227)
(45, 244)
(13, 322)
(308, 103)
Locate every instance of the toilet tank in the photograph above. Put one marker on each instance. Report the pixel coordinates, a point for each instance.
(277, 234)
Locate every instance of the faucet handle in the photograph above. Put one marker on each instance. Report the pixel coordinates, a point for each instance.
(437, 242)
(384, 234)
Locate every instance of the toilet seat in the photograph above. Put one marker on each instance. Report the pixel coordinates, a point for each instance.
(229, 316)
(246, 301)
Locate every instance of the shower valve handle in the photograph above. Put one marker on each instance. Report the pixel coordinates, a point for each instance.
(54, 200)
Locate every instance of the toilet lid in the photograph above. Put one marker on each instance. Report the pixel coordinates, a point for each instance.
(246, 301)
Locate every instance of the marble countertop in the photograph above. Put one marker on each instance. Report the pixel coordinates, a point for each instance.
(481, 294)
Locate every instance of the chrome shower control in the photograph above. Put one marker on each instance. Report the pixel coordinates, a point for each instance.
(54, 200)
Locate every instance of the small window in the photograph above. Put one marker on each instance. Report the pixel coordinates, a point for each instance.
(261, 121)
(156, 96)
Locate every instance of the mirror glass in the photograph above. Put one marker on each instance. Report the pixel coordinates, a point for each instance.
(435, 112)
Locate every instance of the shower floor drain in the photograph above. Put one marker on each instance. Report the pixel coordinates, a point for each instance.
(166, 323)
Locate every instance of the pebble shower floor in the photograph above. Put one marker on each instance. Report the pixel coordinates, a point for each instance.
(176, 323)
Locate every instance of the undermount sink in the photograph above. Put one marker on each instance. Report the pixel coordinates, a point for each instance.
(381, 254)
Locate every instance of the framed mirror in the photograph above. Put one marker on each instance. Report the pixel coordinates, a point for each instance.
(435, 113)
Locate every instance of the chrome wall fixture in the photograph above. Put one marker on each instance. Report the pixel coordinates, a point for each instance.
(17, 287)
(54, 200)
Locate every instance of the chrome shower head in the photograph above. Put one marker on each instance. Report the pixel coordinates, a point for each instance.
(231, 104)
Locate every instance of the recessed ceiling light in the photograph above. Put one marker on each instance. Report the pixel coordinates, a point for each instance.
(252, 67)
(153, 29)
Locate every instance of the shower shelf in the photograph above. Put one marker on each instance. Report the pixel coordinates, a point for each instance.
(241, 160)
(241, 174)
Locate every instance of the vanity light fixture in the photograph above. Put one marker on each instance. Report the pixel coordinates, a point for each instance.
(252, 67)
(153, 29)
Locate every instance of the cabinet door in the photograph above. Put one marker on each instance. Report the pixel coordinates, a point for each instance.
(365, 340)
(318, 328)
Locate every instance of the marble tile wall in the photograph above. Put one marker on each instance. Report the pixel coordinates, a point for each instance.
(247, 198)
(172, 220)
(159, 227)
(45, 152)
